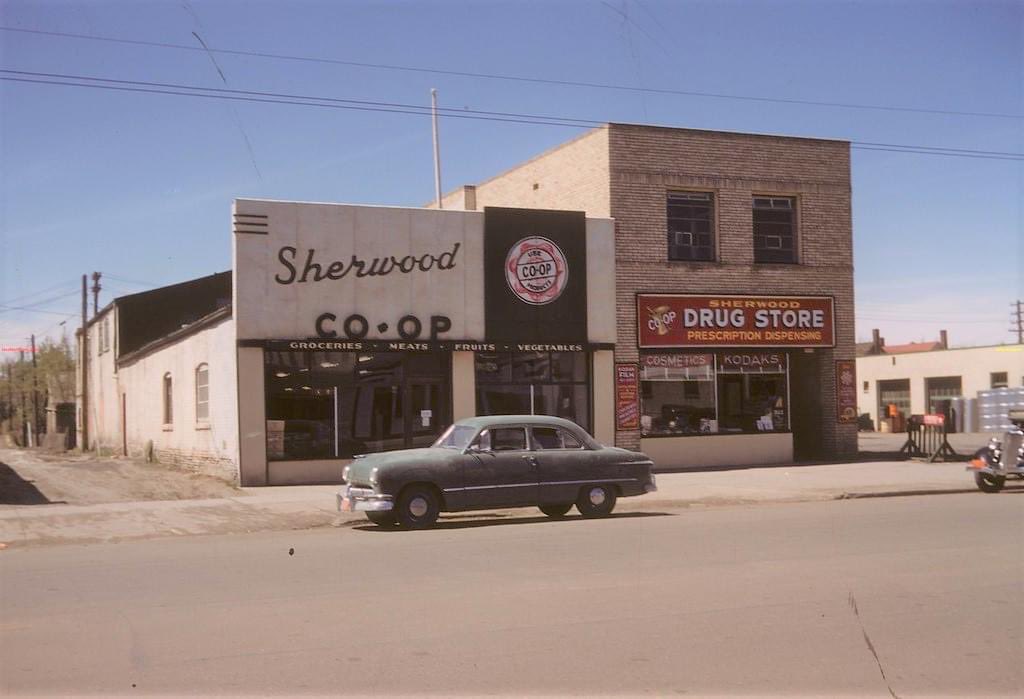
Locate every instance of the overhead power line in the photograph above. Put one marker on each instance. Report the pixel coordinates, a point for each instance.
(516, 78)
(214, 95)
(177, 89)
(29, 309)
(49, 289)
(311, 100)
(31, 306)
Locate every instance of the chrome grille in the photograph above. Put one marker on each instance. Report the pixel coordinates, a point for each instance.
(1012, 441)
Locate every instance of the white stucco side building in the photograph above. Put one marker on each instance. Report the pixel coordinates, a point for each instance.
(195, 422)
(918, 382)
(162, 378)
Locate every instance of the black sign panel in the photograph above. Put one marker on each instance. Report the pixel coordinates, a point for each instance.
(535, 281)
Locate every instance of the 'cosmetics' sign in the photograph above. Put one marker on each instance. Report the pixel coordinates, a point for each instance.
(310, 270)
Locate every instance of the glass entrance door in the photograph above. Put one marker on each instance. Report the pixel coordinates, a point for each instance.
(428, 413)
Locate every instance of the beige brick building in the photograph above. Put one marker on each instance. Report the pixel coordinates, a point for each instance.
(717, 215)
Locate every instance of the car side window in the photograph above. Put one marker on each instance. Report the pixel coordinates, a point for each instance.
(508, 438)
(569, 440)
(547, 438)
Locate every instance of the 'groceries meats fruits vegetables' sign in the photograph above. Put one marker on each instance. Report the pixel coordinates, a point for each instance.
(686, 320)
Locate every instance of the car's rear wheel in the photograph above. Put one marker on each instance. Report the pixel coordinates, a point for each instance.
(382, 519)
(596, 500)
(987, 483)
(418, 507)
(556, 511)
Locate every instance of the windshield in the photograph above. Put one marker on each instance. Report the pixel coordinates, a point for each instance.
(456, 437)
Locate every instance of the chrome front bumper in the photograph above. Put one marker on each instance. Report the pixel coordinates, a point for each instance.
(651, 487)
(353, 499)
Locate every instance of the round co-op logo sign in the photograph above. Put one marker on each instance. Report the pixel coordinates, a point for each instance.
(536, 270)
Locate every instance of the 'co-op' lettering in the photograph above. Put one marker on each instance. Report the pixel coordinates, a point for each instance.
(357, 327)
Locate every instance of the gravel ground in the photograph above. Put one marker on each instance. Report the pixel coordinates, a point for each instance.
(32, 477)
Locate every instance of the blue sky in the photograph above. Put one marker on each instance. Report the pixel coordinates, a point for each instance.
(139, 186)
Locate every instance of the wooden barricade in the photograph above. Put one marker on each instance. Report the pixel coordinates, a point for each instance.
(926, 439)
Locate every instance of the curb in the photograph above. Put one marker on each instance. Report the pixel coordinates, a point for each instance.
(903, 493)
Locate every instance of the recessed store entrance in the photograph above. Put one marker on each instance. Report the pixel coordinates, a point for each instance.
(805, 388)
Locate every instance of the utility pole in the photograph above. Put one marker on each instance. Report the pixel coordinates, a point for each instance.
(24, 411)
(437, 148)
(83, 359)
(10, 397)
(35, 393)
(1019, 318)
(96, 291)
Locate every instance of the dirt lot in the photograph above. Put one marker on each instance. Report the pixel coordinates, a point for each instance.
(32, 477)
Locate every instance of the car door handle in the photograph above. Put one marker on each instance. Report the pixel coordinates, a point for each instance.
(530, 460)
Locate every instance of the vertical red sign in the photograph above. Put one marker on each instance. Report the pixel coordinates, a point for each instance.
(627, 397)
(846, 391)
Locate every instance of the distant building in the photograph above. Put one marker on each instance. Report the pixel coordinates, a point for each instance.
(928, 377)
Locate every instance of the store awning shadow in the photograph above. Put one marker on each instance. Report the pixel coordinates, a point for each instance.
(15, 490)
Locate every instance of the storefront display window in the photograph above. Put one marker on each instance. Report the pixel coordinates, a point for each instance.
(533, 383)
(678, 394)
(323, 405)
(730, 392)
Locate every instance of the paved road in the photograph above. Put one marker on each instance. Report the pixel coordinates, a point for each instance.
(883, 597)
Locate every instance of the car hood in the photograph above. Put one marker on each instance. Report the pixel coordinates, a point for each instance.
(359, 470)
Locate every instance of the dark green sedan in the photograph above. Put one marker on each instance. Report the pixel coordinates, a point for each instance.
(485, 463)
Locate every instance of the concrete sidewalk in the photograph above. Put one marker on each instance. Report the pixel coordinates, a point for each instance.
(304, 507)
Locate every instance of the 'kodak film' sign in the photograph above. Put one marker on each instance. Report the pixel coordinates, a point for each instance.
(687, 320)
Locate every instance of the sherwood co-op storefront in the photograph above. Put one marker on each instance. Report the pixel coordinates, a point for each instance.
(364, 329)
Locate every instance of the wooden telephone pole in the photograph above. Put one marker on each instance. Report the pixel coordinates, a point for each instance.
(1018, 315)
(83, 359)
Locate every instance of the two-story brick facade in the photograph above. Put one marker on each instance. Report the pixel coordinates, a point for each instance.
(734, 284)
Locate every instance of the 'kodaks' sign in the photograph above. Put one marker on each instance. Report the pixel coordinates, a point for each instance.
(684, 320)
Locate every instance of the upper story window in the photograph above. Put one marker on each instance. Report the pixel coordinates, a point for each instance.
(999, 379)
(168, 395)
(103, 336)
(691, 226)
(775, 229)
(202, 393)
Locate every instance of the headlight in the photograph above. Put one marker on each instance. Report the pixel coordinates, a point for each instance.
(373, 477)
(344, 474)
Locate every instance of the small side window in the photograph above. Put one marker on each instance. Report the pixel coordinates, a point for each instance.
(569, 440)
(547, 438)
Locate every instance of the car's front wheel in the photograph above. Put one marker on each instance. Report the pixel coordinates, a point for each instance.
(596, 500)
(418, 507)
(556, 511)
